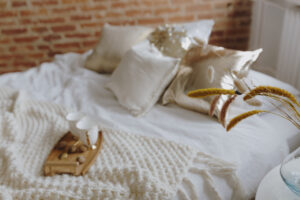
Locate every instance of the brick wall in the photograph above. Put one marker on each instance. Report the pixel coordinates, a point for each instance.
(33, 31)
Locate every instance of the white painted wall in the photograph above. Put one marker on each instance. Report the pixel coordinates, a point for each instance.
(272, 30)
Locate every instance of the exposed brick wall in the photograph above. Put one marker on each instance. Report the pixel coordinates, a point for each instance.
(33, 31)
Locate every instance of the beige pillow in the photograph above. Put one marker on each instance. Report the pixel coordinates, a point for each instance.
(142, 77)
(208, 67)
(114, 42)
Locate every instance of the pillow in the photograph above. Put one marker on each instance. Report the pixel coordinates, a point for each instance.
(114, 42)
(141, 77)
(174, 40)
(210, 67)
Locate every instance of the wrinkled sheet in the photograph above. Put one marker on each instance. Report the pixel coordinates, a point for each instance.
(255, 145)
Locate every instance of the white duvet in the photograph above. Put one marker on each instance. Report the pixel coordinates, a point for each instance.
(255, 145)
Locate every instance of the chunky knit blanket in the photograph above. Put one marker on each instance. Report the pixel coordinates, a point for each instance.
(128, 167)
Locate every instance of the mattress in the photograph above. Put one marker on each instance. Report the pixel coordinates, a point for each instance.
(255, 145)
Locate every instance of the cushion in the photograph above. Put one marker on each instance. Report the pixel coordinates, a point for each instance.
(209, 67)
(174, 40)
(141, 77)
(114, 42)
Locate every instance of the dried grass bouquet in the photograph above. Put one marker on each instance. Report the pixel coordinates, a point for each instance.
(289, 110)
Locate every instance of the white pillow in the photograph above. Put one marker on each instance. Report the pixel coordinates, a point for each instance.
(141, 77)
(113, 44)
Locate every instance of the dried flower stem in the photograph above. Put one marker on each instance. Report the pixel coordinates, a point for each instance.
(240, 117)
(210, 91)
(285, 102)
(224, 109)
(263, 90)
(213, 105)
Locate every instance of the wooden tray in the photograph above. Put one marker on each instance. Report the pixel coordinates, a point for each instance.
(70, 156)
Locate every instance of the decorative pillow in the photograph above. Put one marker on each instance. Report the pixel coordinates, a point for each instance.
(113, 44)
(210, 67)
(141, 77)
(175, 40)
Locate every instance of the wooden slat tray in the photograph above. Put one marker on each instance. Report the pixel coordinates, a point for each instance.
(70, 156)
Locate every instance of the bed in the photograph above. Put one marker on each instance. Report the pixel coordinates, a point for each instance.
(255, 146)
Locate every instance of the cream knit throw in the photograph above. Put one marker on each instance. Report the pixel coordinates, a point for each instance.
(128, 167)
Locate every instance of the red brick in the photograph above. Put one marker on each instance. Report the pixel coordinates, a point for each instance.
(3, 5)
(3, 64)
(81, 17)
(199, 7)
(2, 50)
(53, 53)
(52, 20)
(220, 14)
(4, 14)
(182, 1)
(63, 28)
(26, 39)
(35, 55)
(223, 4)
(185, 18)
(118, 22)
(138, 12)
(124, 4)
(43, 47)
(20, 48)
(73, 1)
(9, 71)
(7, 23)
(114, 14)
(93, 8)
(155, 3)
(64, 10)
(97, 33)
(28, 21)
(12, 49)
(91, 25)
(52, 37)
(90, 43)
(42, 11)
(39, 29)
(5, 57)
(151, 20)
(18, 3)
(44, 2)
(5, 40)
(14, 31)
(78, 35)
(24, 63)
(67, 45)
(205, 15)
(217, 33)
(166, 10)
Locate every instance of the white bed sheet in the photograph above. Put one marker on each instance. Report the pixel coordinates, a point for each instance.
(255, 145)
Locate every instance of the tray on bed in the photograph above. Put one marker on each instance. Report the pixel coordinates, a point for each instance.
(71, 156)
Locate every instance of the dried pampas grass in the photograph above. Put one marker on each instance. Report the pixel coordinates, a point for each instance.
(264, 90)
(210, 92)
(240, 117)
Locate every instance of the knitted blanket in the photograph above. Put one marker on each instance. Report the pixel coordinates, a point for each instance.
(128, 167)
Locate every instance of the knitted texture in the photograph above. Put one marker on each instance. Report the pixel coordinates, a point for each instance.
(128, 167)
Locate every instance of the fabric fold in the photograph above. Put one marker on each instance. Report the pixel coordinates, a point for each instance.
(128, 167)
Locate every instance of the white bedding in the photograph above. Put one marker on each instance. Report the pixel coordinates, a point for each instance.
(255, 145)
